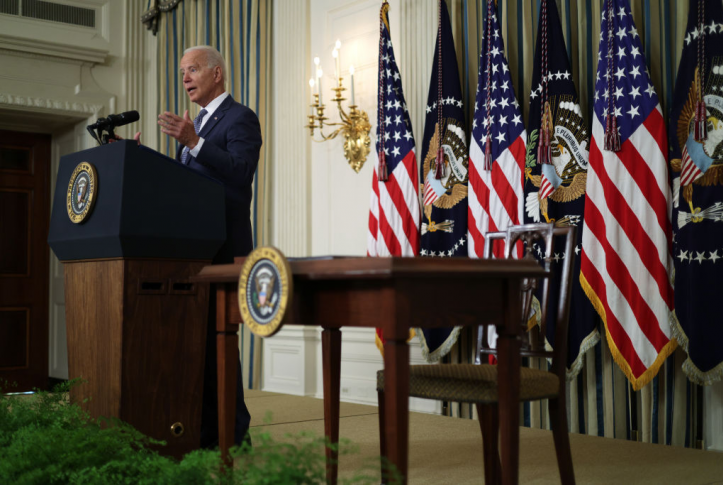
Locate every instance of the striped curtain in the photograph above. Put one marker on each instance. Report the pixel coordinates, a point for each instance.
(600, 400)
(241, 31)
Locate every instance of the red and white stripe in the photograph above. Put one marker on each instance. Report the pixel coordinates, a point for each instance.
(546, 188)
(429, 194)
(626, 258)
(690, 171)
(394, 212)
(496, 197)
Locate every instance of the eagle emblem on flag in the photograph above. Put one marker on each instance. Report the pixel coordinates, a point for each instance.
(702, 160)
(565, 178)
(451, 189)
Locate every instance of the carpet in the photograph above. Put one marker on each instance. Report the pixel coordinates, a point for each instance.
(446, 450)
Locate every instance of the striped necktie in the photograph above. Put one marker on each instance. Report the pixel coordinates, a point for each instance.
(197, 125)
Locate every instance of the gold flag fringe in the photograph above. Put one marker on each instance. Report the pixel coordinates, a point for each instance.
(647, 376)
(695, 375)
(436, 356)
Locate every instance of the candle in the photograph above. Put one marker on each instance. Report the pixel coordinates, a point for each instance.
(319, 74)
(337, 48)
(335, 55)
(316, 70)
(351, 72)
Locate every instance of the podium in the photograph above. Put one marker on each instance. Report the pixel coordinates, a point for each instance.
(136, 325)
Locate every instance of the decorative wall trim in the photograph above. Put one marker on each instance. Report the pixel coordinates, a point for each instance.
(53, 49)
(44, 57)
(40, 104)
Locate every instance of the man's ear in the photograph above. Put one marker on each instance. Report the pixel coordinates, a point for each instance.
(217, 73)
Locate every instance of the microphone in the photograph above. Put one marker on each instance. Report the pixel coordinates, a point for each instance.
(109, 124)
(123, 118)
(116, 120)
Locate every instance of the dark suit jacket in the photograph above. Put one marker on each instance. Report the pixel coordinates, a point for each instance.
(230, 154)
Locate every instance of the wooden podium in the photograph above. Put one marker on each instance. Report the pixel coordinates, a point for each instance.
(136, 325)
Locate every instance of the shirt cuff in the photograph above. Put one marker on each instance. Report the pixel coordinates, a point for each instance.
(194, 151)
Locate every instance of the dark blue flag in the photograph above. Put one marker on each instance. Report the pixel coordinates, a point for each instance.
(696, 157)
(444, 218)
(556, 172)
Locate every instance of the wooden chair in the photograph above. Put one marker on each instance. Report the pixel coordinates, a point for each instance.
(477, 383)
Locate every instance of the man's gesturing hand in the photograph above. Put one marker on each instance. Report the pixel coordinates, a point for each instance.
(179, 128)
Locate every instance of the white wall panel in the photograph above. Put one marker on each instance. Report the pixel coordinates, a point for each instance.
(336, 217)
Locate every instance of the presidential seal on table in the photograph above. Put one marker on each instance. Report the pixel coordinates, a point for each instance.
(265, 289)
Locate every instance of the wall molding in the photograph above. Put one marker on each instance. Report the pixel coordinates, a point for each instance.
(52, 50)
(32, 103)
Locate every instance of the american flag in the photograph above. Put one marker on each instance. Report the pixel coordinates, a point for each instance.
(627, 231)
(394, 206)
(495, 192)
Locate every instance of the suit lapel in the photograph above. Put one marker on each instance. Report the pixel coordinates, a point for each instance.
(208, 126)
(216, 116)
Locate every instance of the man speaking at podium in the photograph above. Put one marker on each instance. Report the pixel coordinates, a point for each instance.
(223, 142)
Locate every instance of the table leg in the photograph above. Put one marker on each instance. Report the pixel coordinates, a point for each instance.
(508, 368)
(396, 399)
(227, 347)
(331, 358)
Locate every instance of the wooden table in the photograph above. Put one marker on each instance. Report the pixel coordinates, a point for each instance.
(393, 294)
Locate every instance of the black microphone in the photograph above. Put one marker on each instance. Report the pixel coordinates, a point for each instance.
(123, 118)
(116, 120)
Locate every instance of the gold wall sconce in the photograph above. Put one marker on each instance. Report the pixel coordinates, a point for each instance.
(354, 125)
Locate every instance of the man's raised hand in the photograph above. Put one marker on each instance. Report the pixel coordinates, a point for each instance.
(179, 128)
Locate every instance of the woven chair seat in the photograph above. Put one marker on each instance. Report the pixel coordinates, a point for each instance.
(473, 383)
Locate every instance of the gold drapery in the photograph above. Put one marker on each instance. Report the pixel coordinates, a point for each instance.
(241, 31)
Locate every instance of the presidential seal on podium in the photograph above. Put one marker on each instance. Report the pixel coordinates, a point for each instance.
(265, 289)
(82, 189)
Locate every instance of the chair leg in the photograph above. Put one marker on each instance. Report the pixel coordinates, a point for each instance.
(558, 421)
(489, 425)
(382, 435)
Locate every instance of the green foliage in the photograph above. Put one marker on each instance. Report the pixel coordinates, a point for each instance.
(531, 156)
(46, 440)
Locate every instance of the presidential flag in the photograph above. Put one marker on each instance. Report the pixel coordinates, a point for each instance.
(696, 158)
(444, 172)
(497, 149)
(626, 265)
(556, 172)
(394, 206)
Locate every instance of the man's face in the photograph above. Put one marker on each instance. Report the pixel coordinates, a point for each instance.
(201, 82)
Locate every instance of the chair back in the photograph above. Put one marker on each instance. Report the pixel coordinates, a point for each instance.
(537, 239)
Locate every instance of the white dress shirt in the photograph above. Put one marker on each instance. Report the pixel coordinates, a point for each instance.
(210, 109)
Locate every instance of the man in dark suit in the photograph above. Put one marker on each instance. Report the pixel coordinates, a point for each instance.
(223, 142)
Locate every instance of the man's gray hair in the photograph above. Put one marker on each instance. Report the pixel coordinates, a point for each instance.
(213, 57)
